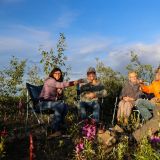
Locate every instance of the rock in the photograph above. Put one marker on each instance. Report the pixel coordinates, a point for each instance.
(106, 138)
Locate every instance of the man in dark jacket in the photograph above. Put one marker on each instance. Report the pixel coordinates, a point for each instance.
(91, 91)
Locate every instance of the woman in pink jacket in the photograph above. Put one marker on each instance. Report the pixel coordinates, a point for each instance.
(51, 98)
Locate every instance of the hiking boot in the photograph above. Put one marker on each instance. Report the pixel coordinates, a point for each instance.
(54, 134)
(117, 128)
(100, 131)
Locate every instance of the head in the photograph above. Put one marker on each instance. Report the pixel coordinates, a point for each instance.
(133, 78)
(157, 73)
(91, 74)
(56, 73)
(157, 70)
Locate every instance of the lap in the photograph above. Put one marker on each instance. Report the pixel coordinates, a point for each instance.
(52, 105)
(88, 104)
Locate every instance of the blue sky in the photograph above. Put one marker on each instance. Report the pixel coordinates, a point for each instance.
(107, 29)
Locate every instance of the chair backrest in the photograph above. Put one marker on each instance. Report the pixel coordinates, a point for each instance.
(34, 91)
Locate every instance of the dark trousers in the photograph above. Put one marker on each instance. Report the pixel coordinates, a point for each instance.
(93, 105)
(60, 111)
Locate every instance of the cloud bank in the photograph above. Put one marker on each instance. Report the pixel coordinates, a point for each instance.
(24, 42)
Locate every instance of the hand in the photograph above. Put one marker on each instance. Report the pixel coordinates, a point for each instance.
(140, 81)
(156, 100)
(59, 91)
(128, 99)
(125, 99)
(94, 82)
(76, 82)
(80, 80)
(90, 95)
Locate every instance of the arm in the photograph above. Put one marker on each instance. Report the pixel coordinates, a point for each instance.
(97, 91)
(128, 99)
(52, 82)
(147, 89)
(123, 93)
(64, 84)
(101, 93)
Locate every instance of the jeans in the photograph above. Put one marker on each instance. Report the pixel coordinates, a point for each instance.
(94, 105)
(60, 111)
(151, 125)
(144, 106)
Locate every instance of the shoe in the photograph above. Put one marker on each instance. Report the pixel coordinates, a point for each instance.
(55, 134)
(117, 128)
(100, 131)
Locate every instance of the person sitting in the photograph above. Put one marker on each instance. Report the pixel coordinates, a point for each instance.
(91, 90)
(129, 94)
(153, 123)
(51, 98)
(145, 105)
(154, 87)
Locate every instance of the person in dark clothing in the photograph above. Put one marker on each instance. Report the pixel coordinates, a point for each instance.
(91, 90)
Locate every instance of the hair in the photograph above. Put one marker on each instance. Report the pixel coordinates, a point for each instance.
(157, 70)
(91, 73)
(131, 72)
(55, 70)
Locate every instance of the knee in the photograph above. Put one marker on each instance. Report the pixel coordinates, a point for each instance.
(96, 106)
(81, 104)
(128, 105)
(121, 103)
(141, 102)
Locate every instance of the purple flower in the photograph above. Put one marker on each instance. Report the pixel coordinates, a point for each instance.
(155, 139)
(89, 131)
(79, 147)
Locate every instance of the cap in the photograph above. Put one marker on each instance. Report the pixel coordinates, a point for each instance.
(91, 70)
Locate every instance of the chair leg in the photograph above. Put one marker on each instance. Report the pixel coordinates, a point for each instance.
(27, 111)
(114, 112)
(39, 122)
(41, 115)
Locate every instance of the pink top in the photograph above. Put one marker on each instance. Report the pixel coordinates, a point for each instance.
(49, 90)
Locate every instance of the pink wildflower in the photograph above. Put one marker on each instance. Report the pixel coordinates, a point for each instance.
(89, 130)
(155, 139)
(79, 147)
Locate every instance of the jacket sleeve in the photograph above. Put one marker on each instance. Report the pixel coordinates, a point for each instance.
(102, 92)
(57, 84)
(148, 89)
(123, 92)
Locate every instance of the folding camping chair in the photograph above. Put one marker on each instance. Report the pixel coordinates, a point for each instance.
(33, 93)
(134, 110)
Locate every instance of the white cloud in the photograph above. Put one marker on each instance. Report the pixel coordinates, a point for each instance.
(24, 42)
(28, 33)
(113, 54)
(20, 37)
(13, 44)
(118, 58)
(65, 19)
(89, 46)
(83, 51)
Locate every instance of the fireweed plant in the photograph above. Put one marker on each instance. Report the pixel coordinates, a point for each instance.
(84, 146)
